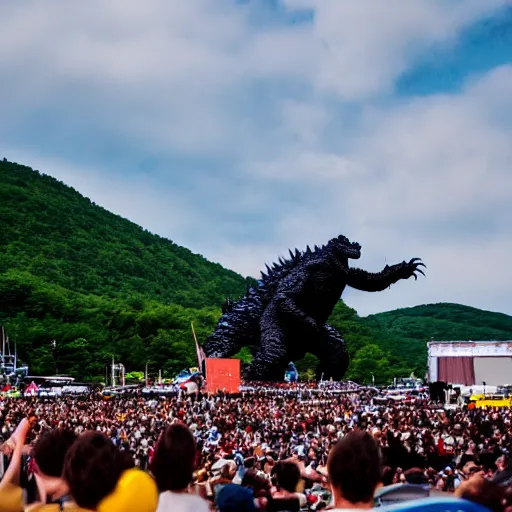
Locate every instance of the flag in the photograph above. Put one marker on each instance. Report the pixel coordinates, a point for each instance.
(201, 358)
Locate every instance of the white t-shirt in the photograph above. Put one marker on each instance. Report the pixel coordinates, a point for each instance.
(181, 502)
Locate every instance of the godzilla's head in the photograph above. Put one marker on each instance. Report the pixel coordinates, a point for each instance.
(342, 246)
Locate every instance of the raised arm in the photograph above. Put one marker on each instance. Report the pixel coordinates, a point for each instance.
(19, 436)
(376, 282)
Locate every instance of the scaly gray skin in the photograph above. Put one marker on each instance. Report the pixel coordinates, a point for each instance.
(286, 315)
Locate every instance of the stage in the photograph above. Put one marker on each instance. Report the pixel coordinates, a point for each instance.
(470, 363)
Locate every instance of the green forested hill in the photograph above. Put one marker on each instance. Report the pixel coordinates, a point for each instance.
(445, 322)
(100, 286)
(97, 283)
(50, 230)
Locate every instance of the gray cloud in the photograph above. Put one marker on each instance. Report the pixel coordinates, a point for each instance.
(241, 141)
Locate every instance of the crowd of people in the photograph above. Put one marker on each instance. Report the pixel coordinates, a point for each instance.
(262, 449)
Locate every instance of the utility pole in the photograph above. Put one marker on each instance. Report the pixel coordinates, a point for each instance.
(54, 350)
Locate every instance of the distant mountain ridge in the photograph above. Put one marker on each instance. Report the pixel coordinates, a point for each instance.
(447, 321)
(102, 286)
(403, 333)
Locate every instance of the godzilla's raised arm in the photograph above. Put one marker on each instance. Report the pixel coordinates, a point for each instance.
(370, 282)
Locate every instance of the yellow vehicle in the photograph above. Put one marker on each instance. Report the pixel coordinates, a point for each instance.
(13, 392)
(495, 400)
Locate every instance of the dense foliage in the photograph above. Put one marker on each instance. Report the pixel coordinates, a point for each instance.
(102, 286)
(51, 231)
(70, 270)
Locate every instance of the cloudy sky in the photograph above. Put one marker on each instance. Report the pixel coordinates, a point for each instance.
(242, 128)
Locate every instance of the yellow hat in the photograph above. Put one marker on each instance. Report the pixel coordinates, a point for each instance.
(11, 498)
(136, 491)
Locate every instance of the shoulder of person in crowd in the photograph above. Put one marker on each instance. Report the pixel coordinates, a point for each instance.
(55, 507)
(11, 498)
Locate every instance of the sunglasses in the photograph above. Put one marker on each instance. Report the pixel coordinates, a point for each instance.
(475, 469)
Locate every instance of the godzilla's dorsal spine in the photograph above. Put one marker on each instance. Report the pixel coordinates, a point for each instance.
(271, 279)
(242, 317)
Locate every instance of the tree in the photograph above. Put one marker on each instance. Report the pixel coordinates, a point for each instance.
(74, 359)
(370, 361)
(135, 377)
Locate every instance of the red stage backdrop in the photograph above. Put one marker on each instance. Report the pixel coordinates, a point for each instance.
(223, 375)
(456, 370)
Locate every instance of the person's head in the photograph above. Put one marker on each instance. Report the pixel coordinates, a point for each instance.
(500, 463)
(484, 492)
(93, 467)
(387, 475)
(377, 434)
(415, 476)
(228, 471)
(174, 457)
(234, 498)
(471, 469)
(355, 468)
(256, 482)
(50, 450)
(287, 475)
(49, 454)
(267, 464)
(249, 462)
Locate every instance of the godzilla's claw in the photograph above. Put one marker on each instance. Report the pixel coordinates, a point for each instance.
(412, 268)
(417, 263)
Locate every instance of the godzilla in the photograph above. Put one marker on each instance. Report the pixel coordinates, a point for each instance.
(285, 315)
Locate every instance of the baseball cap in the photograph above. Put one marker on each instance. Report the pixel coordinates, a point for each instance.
(135, 490)
(234, 498)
